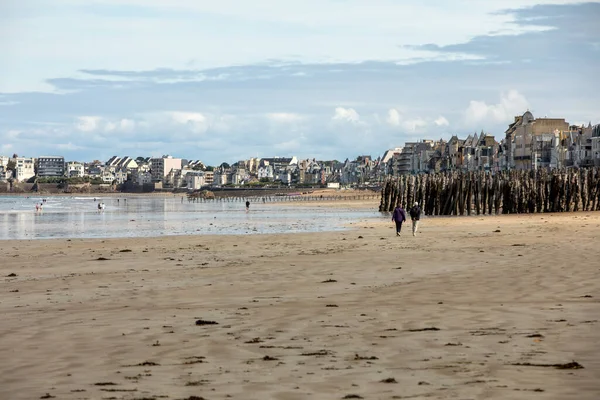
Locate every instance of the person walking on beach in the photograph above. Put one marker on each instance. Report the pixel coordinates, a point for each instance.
(399, 216)
(247, 205)
(415, 216)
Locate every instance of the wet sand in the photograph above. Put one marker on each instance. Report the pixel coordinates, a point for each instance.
(501, 307)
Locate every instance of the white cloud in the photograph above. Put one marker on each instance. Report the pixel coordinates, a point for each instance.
(441, 121)
(396, 119)
(511, 104)
(13, 134)
(196, 122)
(124, 125)
(414, 125)
(284, 117)
(68, 146)
(88, 123)
(346, 115)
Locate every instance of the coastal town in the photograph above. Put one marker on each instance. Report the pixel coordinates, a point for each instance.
(528, 143)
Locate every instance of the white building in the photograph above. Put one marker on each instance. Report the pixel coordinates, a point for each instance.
(121, 175)
(75, 169)
(160, 167)
(24, 168)
(195, 179)
(265, 172)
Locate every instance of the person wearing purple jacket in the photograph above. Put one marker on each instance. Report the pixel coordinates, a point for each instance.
(399, 217)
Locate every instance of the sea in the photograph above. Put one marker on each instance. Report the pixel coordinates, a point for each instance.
(151, 216)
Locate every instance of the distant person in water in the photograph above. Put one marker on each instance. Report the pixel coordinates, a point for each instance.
(247, 206)
(399, 217)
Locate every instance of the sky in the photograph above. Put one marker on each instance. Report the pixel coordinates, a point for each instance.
(227, 80)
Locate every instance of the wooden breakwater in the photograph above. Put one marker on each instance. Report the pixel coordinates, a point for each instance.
(506, 192)
(198, 197)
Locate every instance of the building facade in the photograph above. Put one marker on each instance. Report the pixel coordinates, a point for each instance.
(160, 167)
(24, 168)
(50, 167)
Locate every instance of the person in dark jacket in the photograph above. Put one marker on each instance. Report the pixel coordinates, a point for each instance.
(398, 217)
(415, 216)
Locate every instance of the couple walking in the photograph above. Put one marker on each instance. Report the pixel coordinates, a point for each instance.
(399, 217)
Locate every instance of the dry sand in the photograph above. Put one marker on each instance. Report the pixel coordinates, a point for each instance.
(472, 308)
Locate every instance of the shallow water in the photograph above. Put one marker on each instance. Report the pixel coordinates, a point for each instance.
(78, 217)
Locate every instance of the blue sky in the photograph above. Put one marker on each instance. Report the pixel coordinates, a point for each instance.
(233, 79)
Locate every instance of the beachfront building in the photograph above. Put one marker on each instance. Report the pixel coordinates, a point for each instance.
(160, 167)
(529, 141)
(141, 177)
(50, 166)
(265, 172)
(121, 175)
(209, 177)
(121, 162)
(4, 161)
(75, 169)
(24, 168)
(195, 180)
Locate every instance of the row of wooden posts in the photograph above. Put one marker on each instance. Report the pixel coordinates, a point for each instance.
(506, 192)
(270, 199)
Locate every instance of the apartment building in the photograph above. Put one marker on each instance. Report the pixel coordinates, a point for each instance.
(160, 167)
(195, 180)
(50, 166)
(24, 168)
(75, 169)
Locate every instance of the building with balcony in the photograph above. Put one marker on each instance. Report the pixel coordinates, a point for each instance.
(75, 169)
(50, 166)
(24, 168)
(160, 167)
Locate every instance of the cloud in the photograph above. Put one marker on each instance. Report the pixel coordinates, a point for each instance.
(124, 125)
(196, 122)
(371, 94)
(88, 123)
(68, 147)
(511, 104)
(346, 115)
(396, 119)
(441, 121)
(283, 117)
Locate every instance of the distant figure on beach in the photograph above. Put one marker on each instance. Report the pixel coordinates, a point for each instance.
(99, 206)
(415, 216)
(399, 217)
(38, 207)
(118, 201)
(247, 206)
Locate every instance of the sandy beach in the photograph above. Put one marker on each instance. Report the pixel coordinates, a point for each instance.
(503, 307)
